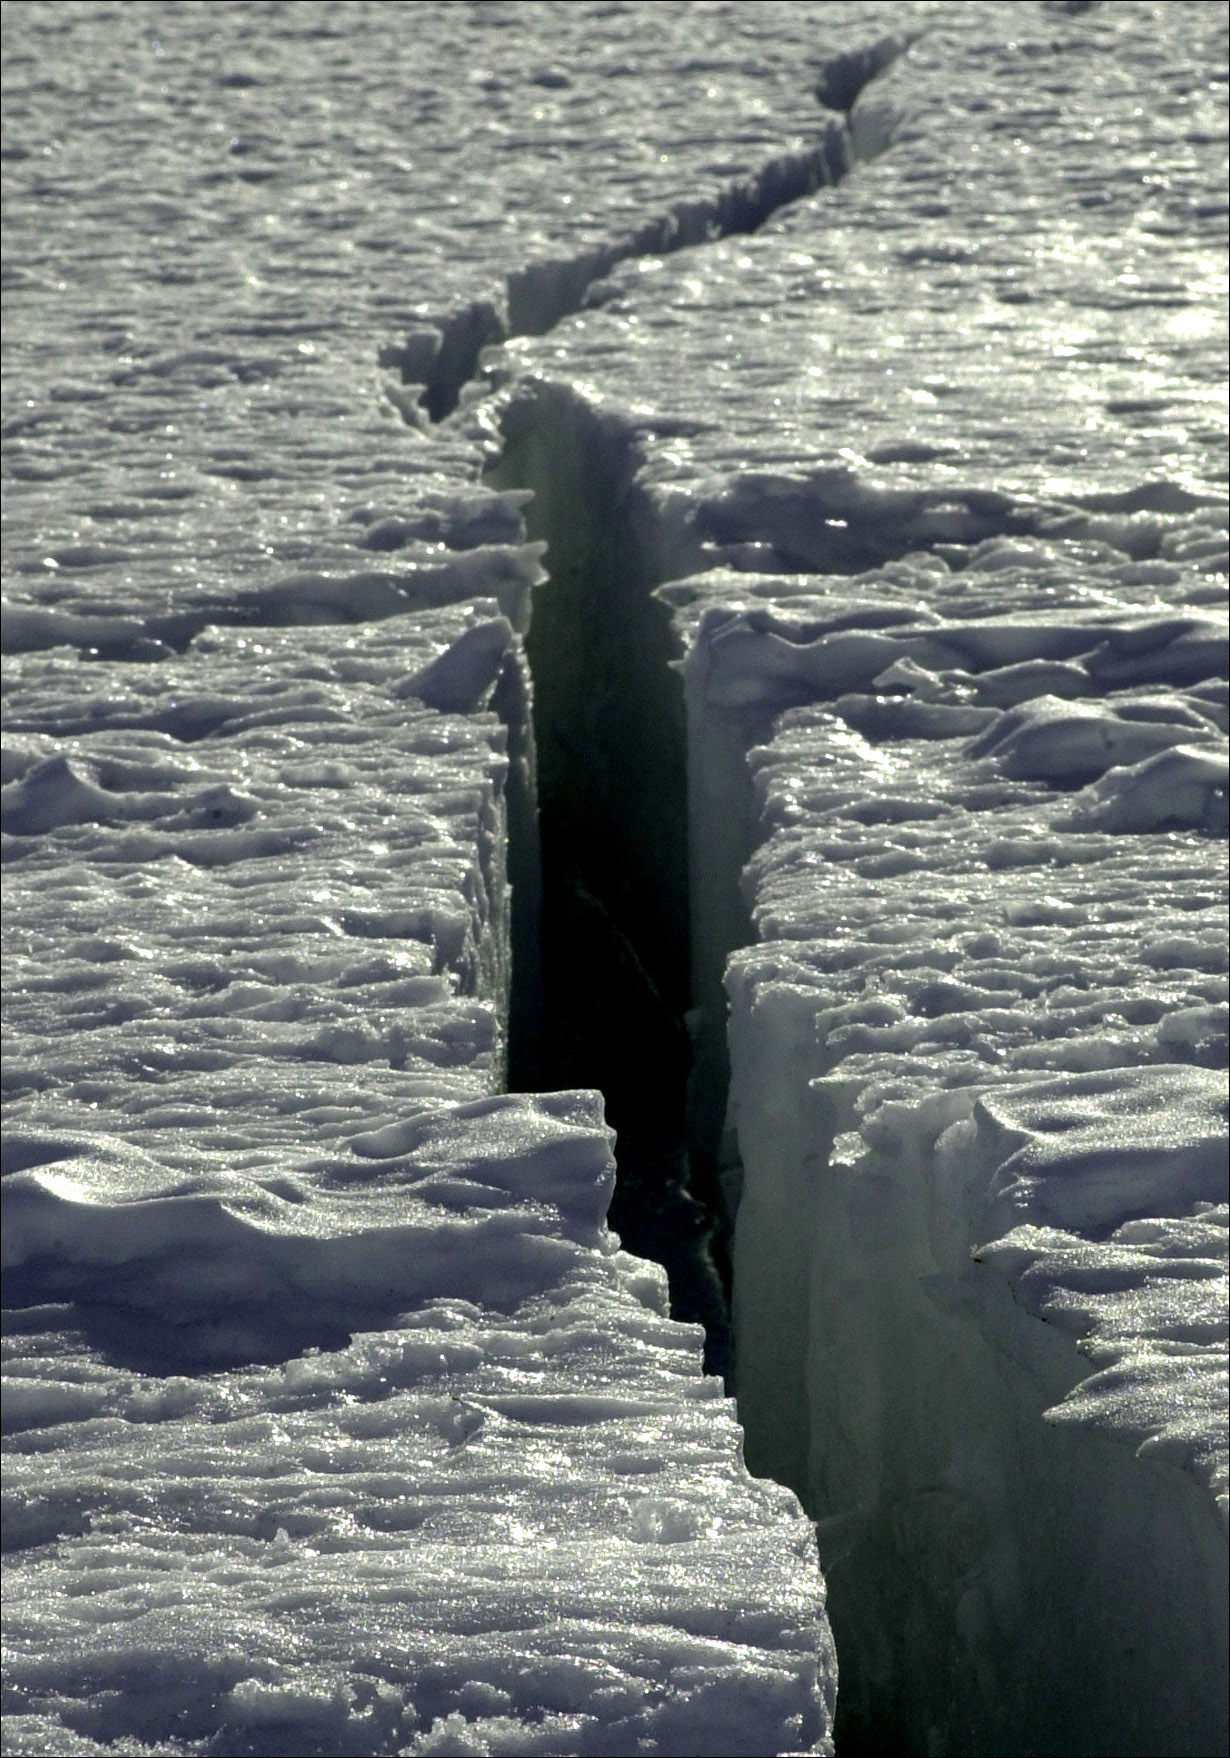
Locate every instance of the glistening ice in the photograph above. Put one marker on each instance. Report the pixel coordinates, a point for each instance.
(637, 568)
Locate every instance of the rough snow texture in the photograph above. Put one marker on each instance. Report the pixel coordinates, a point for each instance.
(340, 1422)
(279, 885)
(502, 1511)
(983, 1035)
(933, 465)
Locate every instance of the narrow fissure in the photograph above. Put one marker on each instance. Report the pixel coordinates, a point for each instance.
(439, 360)
(619, 953)
(610, 942)
(615, 987)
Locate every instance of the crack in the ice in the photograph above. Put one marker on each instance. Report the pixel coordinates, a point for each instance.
(844, 77)
(438, 362)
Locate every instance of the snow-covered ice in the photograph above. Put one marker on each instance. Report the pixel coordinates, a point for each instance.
(492, 1507)
(937, 495)
(967, 1038)
(391, 394)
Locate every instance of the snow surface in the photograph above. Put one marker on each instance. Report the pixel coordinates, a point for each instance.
(337, 1420)
(512, 1516)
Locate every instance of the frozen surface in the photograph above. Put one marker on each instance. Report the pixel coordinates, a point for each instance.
(279, 883)
(212, 268)
(953, 435)
(377, 1440)
(977, 1056)
(510, 1517)
(339, 1421)
(1013, 319)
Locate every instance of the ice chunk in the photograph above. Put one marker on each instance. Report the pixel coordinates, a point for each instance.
(906, 984)
(1183, 788)
(1047, 739)
(513, 1515)
(1090, 1149)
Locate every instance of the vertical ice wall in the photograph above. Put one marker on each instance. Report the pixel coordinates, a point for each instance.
(968, 1015)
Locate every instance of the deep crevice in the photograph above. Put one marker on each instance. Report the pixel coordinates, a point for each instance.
(612, 940)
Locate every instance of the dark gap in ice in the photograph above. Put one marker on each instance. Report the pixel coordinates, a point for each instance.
(612, 945)
(468, 332)
(843, 77)
(441, 360)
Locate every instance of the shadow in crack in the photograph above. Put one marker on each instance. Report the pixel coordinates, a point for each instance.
(613, 941)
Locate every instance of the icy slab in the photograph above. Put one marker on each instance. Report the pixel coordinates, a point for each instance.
(1023, 646)
(997, 326)
(213, 365)
(261, 892)
(1160, 1358)
(977, 1052)
(146, 618)
(510, 1517)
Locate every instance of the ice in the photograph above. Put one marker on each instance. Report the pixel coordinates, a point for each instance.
(340, 1420)
(1050, 740)
(270, 845)
(906, 989)
(514, 1513)
(295, 942)
(1184, 787)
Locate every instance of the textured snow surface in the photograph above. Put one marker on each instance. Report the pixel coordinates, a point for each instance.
(980, 1033)
(955, 434)
(981, 1030)
(886, 340)
(377, 1440)
(514, 1507)
(1022, 297)
(281, 904)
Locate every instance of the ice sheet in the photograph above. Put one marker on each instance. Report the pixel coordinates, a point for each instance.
(281, 901)
(954, 432)
(512, 1515)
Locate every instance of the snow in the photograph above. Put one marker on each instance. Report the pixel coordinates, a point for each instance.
(937, 498)
(513, 1511)
(392, 397)
(980, 1026)
(259, 941)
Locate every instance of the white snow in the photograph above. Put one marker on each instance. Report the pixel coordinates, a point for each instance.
(513, 1510)
(954, 435)
(337, 1420)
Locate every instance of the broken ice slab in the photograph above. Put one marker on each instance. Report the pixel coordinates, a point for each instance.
(149, 618)
(507, 1510)
(978, 1108)
(1068, 359)
(263, 889)
(918, 650)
